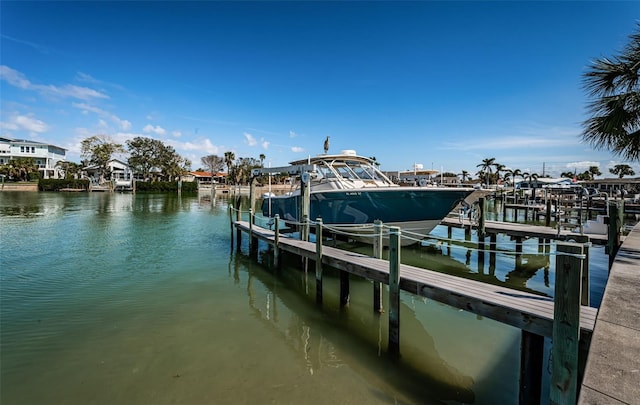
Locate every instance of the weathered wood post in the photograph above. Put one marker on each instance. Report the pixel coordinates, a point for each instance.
(377, 253)
(481, 233)
(585, 294)
(566, 324)
(238, 231)
(394, 291)
(449, 237)
(616, 216)
(482, 202)
(252, 196)
(345, 294)
(319, 261)
(547, 216)
(276, 242)
(531, 360)
(231, 223)
(253, 240)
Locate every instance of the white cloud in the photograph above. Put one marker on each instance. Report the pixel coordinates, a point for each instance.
(18, 122)
(203, 146)
(583, 165)
(292, 134)
(176, 134)
(265, 144)
(251, 141)
(18, 79)
(297, 149)
(123, 125)
(158, 130)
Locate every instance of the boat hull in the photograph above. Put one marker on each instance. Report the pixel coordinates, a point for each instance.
(413, 209)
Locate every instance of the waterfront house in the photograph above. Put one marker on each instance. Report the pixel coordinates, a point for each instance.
(116, 170)
(46, 156)
(205, 179)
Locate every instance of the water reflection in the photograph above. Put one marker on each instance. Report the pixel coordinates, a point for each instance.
(353, 335)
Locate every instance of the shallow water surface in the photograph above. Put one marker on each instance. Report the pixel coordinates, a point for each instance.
(140, 299)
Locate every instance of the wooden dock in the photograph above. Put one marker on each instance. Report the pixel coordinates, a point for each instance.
(527, 311)
(524, 230)
(612, 374)
(563, 319)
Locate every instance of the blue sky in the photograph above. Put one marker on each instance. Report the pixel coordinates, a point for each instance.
(443, 84)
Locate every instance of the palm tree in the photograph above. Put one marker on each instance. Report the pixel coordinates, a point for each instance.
(485, 168)
(262, 158)
(464, 175)
(499, 168)
(229, 157)
(622, 170)
(615, 111)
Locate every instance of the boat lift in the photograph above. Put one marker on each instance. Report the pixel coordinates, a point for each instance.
(304, 172)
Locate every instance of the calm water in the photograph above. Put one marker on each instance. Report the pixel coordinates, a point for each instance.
(139, 299)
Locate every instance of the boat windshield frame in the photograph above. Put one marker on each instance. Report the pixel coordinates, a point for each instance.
(348, 167)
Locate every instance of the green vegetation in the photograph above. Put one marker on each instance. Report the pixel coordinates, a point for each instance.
(59, 184)
(615, 110)
(21, 169)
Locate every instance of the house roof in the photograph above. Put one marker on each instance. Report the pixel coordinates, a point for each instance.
(13, 140)
(206, 174)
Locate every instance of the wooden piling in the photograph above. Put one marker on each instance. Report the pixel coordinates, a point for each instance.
(231, 223)
(253, 239)
(481, 218)
(566, 324)
(531, 359)
(394, 291)
(238, 231)
(344, 288)
(377, 253)
(276, 242)
(319, 261)
(616, 216)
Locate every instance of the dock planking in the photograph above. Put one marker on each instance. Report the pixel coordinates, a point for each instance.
(529, 312)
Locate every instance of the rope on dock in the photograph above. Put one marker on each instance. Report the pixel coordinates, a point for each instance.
(415, 237)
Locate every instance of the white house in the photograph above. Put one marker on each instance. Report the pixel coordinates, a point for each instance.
(117, 170)
(45, 156)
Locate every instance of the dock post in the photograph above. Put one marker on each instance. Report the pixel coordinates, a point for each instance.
(585, 295)
(616, 215)
(394, 291)
(377, 253)
(319, 261)
(547, 217)
(276, 242)
(449, 237)
(481, 233)
(231, 223)
(345, 294)
(531, 359)
(481, 219)
(566, 324)
(238, 231)
(253, 240)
